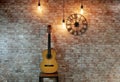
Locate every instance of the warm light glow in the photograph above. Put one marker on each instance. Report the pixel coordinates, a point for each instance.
(81, 11)
(39, 8)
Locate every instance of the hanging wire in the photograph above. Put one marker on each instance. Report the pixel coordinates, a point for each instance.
(81, 4)
(81, 1)
(63, 11)
(63, 21)
(38, 2)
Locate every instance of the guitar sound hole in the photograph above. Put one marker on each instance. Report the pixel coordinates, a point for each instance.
(49, 65)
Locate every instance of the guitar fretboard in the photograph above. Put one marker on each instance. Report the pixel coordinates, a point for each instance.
(49, 42)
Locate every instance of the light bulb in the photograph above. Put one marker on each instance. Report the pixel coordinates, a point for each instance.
(63, 24)
(39, 7)
(81, 10)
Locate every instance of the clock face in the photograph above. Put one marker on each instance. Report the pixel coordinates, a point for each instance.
(76, 24)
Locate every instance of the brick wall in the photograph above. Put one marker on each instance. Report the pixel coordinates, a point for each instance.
(91, 57)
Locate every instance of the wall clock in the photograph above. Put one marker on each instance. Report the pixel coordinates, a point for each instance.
(76, 24)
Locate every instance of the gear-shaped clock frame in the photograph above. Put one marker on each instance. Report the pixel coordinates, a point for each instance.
(76, 24)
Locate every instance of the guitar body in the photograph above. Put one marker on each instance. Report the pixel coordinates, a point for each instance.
(49, 65)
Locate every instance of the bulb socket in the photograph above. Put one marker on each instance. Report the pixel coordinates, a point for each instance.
(81, 6)
(63, 21)
(38, 4)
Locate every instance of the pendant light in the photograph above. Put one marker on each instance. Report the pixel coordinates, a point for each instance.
(39, 5)
(63, 21)
(81, 8)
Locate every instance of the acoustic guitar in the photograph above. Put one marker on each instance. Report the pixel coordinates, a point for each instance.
(49, 63)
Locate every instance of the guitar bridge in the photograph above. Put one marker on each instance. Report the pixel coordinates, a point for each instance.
(49, 65)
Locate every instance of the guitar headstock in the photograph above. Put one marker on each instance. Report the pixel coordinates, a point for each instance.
(49, 28)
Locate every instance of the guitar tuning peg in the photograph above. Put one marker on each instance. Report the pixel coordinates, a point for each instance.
(49, 28)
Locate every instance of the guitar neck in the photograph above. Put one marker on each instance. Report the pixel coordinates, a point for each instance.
(49, 43)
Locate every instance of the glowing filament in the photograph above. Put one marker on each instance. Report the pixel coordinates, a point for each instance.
(81, 11)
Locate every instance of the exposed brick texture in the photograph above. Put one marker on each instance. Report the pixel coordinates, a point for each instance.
(91, 57)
